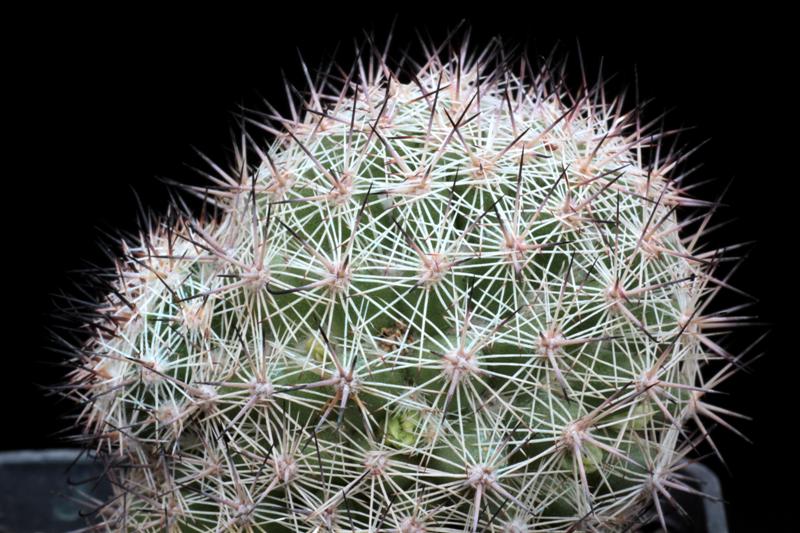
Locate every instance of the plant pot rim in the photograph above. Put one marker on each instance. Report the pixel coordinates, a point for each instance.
(714, 518)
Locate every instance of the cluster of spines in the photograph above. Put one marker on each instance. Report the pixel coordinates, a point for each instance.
(461, 302)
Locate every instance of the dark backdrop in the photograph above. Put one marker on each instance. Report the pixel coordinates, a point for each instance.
(102, 104)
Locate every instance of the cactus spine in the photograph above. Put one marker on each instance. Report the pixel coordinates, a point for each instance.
(460, 300)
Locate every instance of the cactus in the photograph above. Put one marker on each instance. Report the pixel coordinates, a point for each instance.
(456, 300)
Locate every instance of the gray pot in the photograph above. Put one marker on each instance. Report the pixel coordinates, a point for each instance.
(702, 515)
(49, 491)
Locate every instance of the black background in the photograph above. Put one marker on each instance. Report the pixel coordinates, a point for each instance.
(102, 103)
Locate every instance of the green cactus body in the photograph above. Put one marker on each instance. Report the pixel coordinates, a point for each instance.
(458, 303)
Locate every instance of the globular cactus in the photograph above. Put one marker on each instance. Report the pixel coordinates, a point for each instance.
(451, 297)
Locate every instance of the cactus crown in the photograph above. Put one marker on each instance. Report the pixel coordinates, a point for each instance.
(462, 301)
